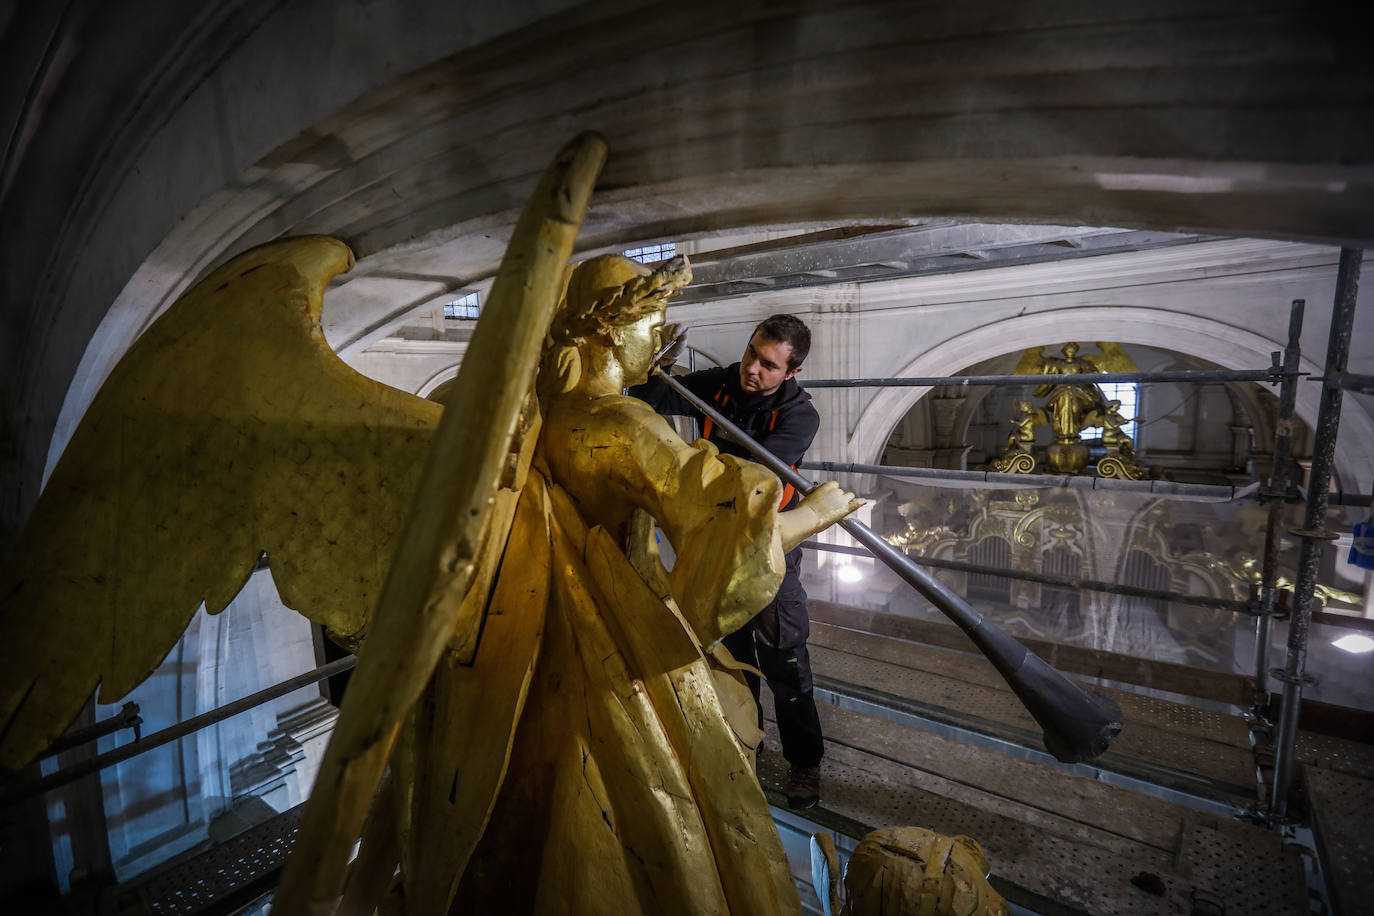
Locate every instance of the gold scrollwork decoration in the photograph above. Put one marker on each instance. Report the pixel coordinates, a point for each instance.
(1121, 467)
(1014, 463)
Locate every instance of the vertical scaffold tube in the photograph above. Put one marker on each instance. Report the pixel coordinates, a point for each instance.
(1276, 493)
(1313, 533)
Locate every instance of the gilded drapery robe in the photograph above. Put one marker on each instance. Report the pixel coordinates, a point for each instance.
(585, 762)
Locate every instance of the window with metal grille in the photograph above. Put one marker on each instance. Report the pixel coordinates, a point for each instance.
(1128, 393)
(466, 306)
(652, 254)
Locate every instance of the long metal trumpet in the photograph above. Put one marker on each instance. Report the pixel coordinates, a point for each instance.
(1078, 724)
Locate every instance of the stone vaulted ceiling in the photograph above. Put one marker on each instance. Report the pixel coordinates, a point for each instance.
(142, 148)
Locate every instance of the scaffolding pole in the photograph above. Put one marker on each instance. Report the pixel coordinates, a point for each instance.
(1276, 493)
(1092, 585)
(1350, 381)
(1272, 375)
(1163, 488)
(52, 781)
(1313, 533)
(127, 717)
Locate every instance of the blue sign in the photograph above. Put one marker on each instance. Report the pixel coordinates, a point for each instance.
(1362, 550)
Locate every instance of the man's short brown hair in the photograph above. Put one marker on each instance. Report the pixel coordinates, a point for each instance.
(788, 329)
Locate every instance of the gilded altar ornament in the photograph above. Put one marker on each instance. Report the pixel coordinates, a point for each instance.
(1068, 410)
(1246, 572)
(1017, 459)
(546, 700)
(1120, 460)
(905, 871)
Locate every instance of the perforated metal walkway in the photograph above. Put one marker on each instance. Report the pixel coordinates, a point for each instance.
(926, 736)
(224, 879)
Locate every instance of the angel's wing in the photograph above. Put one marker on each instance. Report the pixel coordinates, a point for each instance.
(229, 429)
(1112, 358)
(1030, 362)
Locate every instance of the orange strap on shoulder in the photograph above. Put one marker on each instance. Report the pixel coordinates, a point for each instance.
(787, 492)
(721, 400)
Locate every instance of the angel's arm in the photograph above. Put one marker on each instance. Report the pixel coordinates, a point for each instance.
(719, 513)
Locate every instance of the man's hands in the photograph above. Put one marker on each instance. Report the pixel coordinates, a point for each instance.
(822, 507)
(677, 333)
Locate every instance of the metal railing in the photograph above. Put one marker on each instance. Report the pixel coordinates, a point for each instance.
(9, 795)
(1164, 489)
(1092, 585)
(1273, 375)
(1204, 492)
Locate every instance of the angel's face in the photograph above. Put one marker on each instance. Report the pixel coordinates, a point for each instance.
(636, 345)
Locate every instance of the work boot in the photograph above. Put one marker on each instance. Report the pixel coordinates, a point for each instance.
(803, 787)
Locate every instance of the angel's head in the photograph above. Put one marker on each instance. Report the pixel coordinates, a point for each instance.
(612, 313)
(913, 870)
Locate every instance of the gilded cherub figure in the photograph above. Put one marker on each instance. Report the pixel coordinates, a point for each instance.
(1120, 460)
(1111, 421)
(1017, 458)
(1023, 427)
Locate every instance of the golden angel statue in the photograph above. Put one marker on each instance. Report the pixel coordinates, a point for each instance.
(535, 695)
(1069, 405)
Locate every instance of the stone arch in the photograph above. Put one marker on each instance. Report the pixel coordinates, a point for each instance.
(434, 381)
(1223, 344)
(719, 117)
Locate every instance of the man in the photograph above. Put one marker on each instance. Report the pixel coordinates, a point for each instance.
(761, 396)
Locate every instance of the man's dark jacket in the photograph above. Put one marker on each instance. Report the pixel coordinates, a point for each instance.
(783, 422)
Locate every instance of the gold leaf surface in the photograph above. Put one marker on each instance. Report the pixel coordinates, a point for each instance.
(229, 429)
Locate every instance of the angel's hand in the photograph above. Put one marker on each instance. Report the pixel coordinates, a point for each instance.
(830, 503)
(677, 333)
(822, 507)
